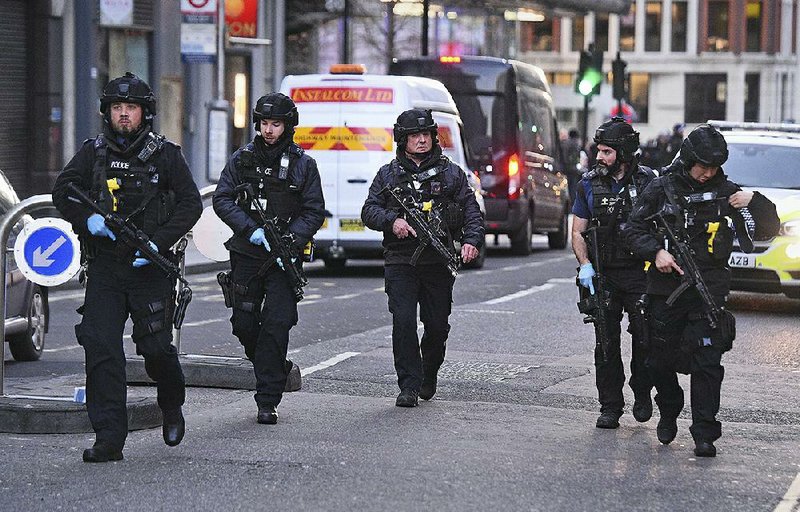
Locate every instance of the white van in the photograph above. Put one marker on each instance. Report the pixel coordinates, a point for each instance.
(345, 124)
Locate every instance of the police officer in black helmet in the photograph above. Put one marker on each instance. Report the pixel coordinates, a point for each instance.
(420, 170)
(696, 196)
(605, 197)
(140, 175)
(286, 181)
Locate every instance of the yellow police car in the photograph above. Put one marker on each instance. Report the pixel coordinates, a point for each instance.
(766, 157)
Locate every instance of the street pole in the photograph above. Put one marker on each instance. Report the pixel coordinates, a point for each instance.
(426, 5)
(585, 126)
(346, 33)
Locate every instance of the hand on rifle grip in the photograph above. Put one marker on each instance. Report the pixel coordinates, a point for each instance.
(97, 226)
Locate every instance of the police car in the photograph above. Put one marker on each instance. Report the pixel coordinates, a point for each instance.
(766, 157)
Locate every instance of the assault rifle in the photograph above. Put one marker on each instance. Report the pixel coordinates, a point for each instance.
(428, 232)
(595, 307)
(127, 232)
(280, 247)
(679, 243)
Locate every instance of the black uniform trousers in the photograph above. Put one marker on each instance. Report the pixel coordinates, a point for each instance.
(115, 290)
(263, 331)
(430, 286)
(626, 288)
(681, 341)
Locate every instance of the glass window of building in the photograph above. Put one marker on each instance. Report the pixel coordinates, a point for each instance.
(751, 96)
(639, 95)
(627, 30)
(577, 33)
(753, 12)
(679, 17)
(536, 32)
(717, 27)
(601, 31)
(705, 97)
(652, 27)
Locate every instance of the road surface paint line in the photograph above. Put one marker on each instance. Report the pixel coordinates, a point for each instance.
(62, 349)
(791, 498)
(535, 263)
(209, 356)
(494, 311)
(50, 398)
(328, 363)
(519, 294)
(206, 322)
(294, 351)
(65, 296)
(348, 296)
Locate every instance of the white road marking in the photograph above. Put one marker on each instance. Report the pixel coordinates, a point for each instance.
(519, 294)
(348, 296)
(497, 311)
(62, 349)
(206, 322)
(327, 363)
(535, 263)
(65, 296)
(791, 498)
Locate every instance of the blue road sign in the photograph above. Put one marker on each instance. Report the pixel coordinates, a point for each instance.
(47, 251)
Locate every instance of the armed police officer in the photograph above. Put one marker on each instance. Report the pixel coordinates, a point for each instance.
(270, 178)
(683, 224)
(433, 188)
(133, 172)
(604, 200)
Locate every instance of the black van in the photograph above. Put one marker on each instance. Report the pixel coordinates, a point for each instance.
(510, 125)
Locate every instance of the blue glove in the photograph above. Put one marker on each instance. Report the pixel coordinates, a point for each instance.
(585, 275)
(140, 262)
(258, 238)
(97, 226)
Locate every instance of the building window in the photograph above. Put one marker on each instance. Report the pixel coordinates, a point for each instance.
(536, 35)
(705, 97)
(578, 24)
(652, 27)
(639, 94)
(718, 16)
(627, 30)
(751, 96)
(679, 16)
(567, 79)
(753, 25)
(601, 32)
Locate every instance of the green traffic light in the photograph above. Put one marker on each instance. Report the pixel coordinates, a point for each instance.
(591, 78)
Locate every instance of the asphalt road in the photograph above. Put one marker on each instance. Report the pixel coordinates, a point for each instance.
(511, 427)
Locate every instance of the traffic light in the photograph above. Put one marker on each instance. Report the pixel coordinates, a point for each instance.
(590, 72)
(618, 69)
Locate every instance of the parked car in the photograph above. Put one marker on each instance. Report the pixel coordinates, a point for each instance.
(766, 157)
(27, 309)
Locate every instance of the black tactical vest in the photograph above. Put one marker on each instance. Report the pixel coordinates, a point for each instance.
(273, 187)
(610, 211)
(428, 188)
(133, 186)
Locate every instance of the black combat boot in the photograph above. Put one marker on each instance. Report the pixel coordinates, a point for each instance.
(428, 388)
(101, 452)
(667, 429)
(608, 419)
(267, 415)
(704, 448)
(407, 398)
(642, 408)
(294, 381)
(174, 427)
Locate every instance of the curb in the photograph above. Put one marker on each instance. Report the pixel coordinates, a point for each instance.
(32, 416)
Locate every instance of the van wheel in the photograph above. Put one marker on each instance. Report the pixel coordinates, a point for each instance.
(521, 240)
(558, 240)
(29, 345)
(335, 263)
(480, 260)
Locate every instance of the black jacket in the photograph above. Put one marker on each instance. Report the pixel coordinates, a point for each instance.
(169, 162)
(378, 215)
(303, 174)
(644, 240)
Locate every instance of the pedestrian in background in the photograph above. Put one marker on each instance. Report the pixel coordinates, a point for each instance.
(427, 177)
(695, 197)
(140, 175)
(286, 183)
(606, 195)
(571, 150)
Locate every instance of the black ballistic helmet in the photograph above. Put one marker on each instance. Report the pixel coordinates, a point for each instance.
(129, 89)
(620, 136)
(275, 106)
(415, 120)
(704, 145)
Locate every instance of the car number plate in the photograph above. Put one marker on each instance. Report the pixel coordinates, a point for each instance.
(351, 225)
(741, 260)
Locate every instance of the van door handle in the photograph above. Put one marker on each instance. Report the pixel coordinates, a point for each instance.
(356, 180)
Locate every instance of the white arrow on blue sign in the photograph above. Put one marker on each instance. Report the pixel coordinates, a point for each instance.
(47, 251)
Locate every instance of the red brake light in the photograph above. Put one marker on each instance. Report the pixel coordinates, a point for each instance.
(513, 176)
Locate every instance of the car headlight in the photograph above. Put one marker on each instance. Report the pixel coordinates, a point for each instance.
(790, 228)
